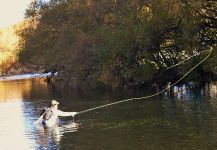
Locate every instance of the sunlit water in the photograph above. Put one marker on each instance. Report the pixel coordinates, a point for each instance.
(184, 118)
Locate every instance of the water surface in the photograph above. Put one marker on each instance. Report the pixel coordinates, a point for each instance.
(183, 119)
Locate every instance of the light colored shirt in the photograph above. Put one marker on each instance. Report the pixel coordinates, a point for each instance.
(54, 117)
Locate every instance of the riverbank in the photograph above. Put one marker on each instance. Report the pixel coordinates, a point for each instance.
(65, 80)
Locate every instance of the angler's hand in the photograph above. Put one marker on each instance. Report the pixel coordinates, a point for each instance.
(73, 113)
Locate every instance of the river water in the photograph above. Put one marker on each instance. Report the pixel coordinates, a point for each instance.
(183, 119)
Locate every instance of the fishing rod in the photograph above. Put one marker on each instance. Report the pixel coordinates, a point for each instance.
(149, 96)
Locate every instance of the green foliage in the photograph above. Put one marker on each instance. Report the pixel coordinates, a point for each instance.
(116, 42)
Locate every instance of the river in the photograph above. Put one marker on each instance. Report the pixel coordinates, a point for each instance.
(183, 120)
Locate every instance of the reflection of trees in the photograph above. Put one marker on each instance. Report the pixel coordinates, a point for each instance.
(14, 89)
(23, 89)
(211, 94)
(192, 91)
(39, 89)
(193, 111)
(211, 90)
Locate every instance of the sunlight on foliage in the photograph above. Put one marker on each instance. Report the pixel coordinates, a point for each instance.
(116, 43)
(8, 48)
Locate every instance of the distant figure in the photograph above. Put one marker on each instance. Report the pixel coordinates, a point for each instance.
(53, 71)
(50, 117)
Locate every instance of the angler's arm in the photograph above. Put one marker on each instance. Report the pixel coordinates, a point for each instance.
(65, 114)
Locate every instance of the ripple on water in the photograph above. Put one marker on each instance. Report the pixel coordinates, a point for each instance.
(159, 123)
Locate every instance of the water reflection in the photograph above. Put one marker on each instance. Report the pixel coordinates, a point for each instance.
(210, 90)
(20, 104)
(17, 126)
(177, 120)
(12, 127)
(22, 89)
(192, 91)
(51, 137)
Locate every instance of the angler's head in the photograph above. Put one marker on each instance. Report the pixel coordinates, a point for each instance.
(54, 103)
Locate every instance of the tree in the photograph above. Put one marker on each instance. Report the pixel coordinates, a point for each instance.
(117, 42)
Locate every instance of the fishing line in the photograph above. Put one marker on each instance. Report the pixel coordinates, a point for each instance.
(149, 96)
(187, 59)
